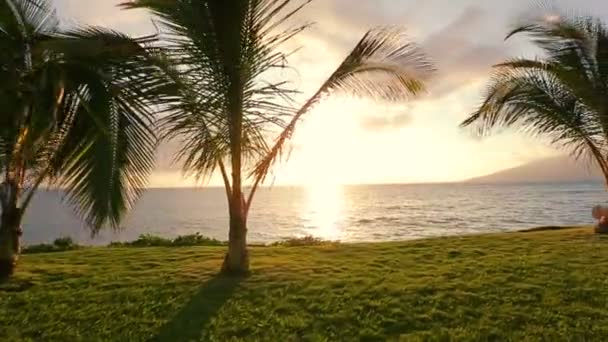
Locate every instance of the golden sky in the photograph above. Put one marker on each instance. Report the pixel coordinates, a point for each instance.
(349, 141)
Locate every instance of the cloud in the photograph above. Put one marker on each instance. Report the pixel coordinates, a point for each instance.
(392, 117)
(461, 46)
(382, 123)
(462, 50)
(460, 54)
(105, 13)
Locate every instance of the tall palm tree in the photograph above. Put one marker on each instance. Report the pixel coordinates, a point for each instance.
(562, 95)
(225, 52)
(76, 114)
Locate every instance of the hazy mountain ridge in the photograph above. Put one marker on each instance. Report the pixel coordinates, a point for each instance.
(555, 169)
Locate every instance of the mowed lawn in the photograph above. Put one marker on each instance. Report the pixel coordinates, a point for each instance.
(550, 285)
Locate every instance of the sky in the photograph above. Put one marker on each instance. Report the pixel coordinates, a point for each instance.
(355, 141)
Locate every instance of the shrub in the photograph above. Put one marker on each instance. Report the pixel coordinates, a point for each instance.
(65, 243)
(304, 241)
(195, 240)
(148, 240)
(39, 248)
(59, 245)
(144, 240)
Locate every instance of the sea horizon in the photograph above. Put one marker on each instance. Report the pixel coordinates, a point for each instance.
(461, 182)
(348, 213)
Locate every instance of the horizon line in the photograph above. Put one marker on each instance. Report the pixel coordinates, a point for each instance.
(461, 182)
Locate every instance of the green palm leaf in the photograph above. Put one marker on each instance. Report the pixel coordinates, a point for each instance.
(224, 74)
(224, 53)
(109, 150)
(384, 65)
(562, 95)
(78, 110)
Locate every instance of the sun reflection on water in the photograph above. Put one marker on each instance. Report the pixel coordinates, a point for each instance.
(322, 215)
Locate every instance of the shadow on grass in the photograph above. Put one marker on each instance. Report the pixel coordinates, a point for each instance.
(192, 320)
(547, 228)
(8, 285)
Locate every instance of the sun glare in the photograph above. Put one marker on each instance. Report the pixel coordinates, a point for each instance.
(324, 205)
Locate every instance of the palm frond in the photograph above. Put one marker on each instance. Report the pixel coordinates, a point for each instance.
(384, 65)
(23, 23)
(561, 95)
(107, 153)
(78, 110)
(537, 102)
(224, 51)
(571, 42)
(28, 18)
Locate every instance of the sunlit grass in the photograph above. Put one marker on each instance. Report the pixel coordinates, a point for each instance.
(549, 285)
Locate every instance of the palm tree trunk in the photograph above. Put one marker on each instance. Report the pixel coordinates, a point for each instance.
(237, 258)
(10, 240)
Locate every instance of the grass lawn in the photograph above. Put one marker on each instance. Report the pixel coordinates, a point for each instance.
(550, 285)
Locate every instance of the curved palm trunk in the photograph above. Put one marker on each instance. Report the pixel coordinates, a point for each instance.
(10, 219)
(237, 258)
(10, 240)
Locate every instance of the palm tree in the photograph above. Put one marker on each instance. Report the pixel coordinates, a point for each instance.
(75, 114)
(563, 95)
(225, 52)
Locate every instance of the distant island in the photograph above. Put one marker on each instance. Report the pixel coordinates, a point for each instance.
(555, 169)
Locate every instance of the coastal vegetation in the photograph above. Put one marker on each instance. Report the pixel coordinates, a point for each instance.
(145, 240)
(148, 240)
(82, 104)
(227, 58)
(543, 285)
(77, 113)
(84, 109)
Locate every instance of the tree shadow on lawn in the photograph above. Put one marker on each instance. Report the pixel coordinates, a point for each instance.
(192, 320)
(15, 285)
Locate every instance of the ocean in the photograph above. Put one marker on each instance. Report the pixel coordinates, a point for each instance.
(349, 213)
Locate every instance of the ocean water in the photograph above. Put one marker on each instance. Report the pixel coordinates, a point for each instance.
(350, 213)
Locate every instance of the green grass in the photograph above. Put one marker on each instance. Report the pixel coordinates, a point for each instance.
(549, 285)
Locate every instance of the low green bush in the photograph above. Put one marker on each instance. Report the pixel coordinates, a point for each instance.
(196, 240)
(59, 245)
(148, 240)
(304, 241)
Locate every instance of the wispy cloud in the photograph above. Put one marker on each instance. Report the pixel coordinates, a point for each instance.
(384, 122)
(459, 53)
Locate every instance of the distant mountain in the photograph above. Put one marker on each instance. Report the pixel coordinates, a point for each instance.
(556, 169)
